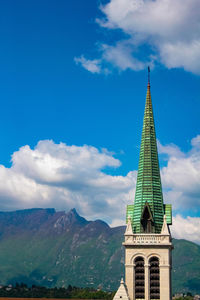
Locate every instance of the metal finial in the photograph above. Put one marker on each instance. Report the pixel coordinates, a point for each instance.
(148, 75)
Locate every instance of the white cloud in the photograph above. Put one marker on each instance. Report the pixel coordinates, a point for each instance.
(93, 66)
(121, 56)
(169, 19)
(181, 176)
(170, 150)
(181, 185)
(170, 29)
(195, 142)
(62, 176)
(186, 228)
(181, 54)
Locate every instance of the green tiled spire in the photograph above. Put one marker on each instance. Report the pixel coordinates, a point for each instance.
(148, 207)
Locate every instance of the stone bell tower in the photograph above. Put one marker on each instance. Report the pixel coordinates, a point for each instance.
(147, 238)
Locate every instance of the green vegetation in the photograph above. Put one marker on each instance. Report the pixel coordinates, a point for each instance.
(185, 298)
(23, 291)
(186, 267)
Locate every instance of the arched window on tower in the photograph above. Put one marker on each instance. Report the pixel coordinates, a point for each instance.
(139, 278)
(154, 278)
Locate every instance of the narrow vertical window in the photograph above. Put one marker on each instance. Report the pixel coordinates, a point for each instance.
(154, 278)
(147, 220)
(139, 278)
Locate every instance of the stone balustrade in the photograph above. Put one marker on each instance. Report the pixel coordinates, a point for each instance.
(145, 239)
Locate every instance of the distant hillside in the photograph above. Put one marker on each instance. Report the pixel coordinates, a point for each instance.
(42, 246)
(186, 266)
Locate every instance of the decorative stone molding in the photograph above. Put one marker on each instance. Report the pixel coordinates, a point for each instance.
(147, 239)
(129, 230)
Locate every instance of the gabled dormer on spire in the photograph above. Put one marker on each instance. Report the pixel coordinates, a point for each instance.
(148, 211)
(147, 219)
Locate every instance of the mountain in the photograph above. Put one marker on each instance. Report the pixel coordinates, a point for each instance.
(45, 247)
(186, 266)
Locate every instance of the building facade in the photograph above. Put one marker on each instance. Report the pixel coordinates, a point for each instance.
(147, 242)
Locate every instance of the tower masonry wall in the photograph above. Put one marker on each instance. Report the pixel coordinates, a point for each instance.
(147, 246)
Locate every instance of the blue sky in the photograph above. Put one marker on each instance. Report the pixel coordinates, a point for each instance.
(76, 72)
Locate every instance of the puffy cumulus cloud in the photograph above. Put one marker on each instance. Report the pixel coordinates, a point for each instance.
(181, 176)
(172, 27)
(169, 29)
(169, 19)
(62, 176)
(186, 228)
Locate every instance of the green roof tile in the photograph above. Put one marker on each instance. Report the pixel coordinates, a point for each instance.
(168, 213)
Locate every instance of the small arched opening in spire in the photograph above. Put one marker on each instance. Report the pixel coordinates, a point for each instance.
(147, 220)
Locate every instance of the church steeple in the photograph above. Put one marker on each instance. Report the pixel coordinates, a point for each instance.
(148, 197)
(147, 237)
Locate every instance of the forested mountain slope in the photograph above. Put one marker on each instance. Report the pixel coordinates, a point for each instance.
(42, 246)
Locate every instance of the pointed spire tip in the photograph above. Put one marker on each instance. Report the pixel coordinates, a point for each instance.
(148, 75)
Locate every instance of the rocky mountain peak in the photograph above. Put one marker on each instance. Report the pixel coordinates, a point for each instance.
(70, 219)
